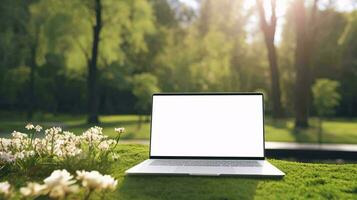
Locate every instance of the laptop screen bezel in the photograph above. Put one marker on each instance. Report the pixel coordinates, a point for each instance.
(207, 157)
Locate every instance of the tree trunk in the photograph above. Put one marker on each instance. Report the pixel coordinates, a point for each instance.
(319, 130)
(33, 67)
(269, 30)
(302, 68)
(275, 83)
(305, 31)
(140, 121)
(92, 66)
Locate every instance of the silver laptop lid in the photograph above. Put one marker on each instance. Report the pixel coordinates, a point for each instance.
(207, 125)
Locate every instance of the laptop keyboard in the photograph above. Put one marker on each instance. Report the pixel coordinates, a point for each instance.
(206, 163)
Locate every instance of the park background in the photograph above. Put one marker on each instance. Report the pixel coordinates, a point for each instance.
(76, 64)
(79, 63)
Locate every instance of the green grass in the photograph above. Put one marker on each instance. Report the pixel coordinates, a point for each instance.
(334, 130)
(77, 124)
(302, 181)
(129, 122)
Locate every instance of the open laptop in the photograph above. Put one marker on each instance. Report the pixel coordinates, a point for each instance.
(207, 134)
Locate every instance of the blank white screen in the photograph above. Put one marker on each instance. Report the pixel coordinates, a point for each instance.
(207, 126)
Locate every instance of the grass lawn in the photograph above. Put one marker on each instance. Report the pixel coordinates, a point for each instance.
(334, 130)
(303, 181)
(77, 124)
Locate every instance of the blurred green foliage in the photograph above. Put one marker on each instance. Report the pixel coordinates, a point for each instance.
(144, 86)
(159, 45)
(326, 97)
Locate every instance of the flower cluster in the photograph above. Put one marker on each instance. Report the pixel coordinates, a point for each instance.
(57, 144)
(15, 148)
(60, 184)
(38, 128)
(95, 181)
(95, 139)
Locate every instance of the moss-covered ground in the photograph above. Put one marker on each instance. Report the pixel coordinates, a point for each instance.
(302, 181)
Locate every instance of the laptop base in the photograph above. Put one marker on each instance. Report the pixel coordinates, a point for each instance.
(264, 169)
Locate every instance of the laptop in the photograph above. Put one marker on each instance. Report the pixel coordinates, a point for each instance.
(207, 134)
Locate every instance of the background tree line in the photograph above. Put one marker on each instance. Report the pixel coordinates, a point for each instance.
(108, 56)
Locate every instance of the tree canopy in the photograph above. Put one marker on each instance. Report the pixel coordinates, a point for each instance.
(46, 50)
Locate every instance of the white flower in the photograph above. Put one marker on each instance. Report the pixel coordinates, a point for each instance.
(18, 135)
(65, 149)
(18, 144)
(94, 135)
(95, 180)
(72, 151)
(115, 156)
(105, 145)
(61, 177)
(7, 157)
(29, 153)
(109, 183)
(38, 128)
(32, 189)
(119, 130)
(64, 145)
(91, 180)
(60, 183)
(69, 136)
(20, 155)
(97, 129)
(29, 126)
(5, 188)
(5, 144)
(39, 145)
(23, 154)
(53, 131)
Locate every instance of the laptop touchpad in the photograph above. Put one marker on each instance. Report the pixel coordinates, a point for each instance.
(204, 170)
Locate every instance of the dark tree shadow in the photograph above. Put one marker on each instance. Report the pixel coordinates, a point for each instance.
(184, 187)
(305, 135)
(276, 123)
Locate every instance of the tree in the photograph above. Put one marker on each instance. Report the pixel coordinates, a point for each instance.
(101, 31)
(32, 25)
(144, 85)
(92, 65)
(33, 40)
(348, 77)
(269, 29)
(14, 16)
(305, 37)
(326, 98)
